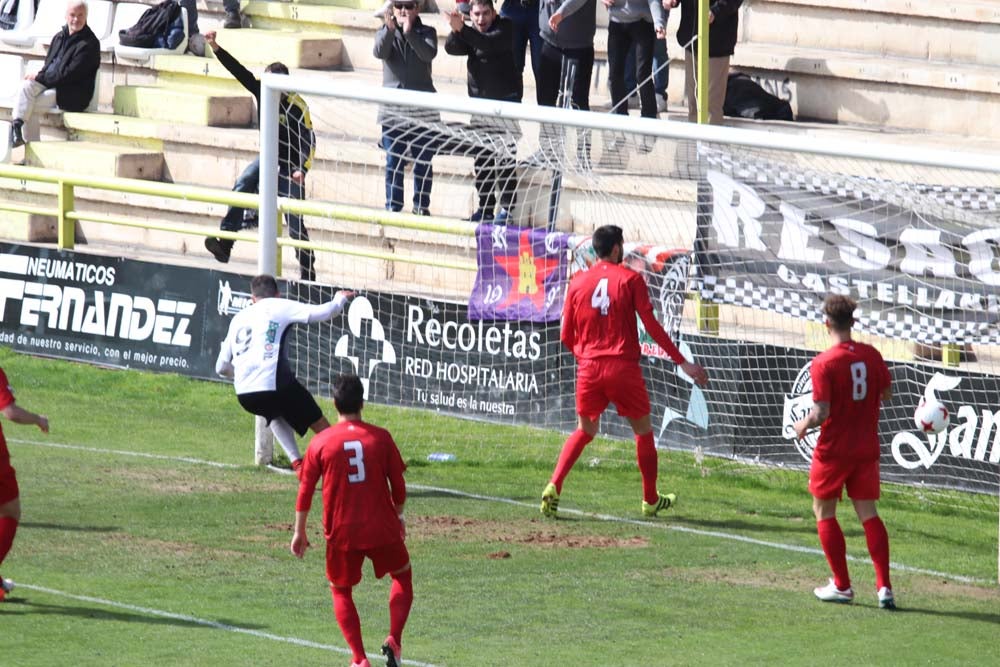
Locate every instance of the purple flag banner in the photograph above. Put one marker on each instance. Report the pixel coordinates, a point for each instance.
(522, 274)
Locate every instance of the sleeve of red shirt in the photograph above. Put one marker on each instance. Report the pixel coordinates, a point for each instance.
(6, 395)
(311, 471)
(396, 469)
(640, 297)
(568, 332)
(820, 383)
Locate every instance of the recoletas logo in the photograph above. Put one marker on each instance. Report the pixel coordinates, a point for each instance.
(365, 352)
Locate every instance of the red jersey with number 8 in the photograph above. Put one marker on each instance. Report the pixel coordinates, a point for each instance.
(362, 473)
(851, 377)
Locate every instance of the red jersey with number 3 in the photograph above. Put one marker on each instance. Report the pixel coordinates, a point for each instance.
(599, 314)
(362, 472)
(851, 377)
(6, 398)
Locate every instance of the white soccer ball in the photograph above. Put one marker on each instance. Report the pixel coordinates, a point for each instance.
(931, 416)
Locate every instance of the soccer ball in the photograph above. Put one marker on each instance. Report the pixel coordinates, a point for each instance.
(931, 416)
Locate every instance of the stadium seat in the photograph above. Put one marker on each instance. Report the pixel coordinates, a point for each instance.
(143, 55)
(48, 20)
(11, 75)
(5, 148)
(126, 16)
(25, 15)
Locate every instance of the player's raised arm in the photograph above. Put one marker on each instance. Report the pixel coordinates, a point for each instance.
(330, 309)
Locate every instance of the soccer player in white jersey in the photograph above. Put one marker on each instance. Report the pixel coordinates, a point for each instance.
(254, 355)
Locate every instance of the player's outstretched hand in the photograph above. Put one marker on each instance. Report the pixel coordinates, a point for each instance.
(696, 373)
(43, 423)
(299, 544)
(346, 294)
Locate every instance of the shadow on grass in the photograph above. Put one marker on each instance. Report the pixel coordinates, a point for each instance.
(70, 527)
(23, 605)
(967, 615)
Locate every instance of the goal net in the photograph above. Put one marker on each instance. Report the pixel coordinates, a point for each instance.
(739, 234)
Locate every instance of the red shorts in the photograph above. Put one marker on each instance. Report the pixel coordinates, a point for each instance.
(827, 479)
(343, 568)
(603, 381)
(8, 486)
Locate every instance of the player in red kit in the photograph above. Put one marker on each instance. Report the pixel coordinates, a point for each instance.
(10, 501)
(849, 382)
(363, 497)
(599, 327)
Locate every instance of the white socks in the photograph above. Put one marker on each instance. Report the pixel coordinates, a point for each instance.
(286, 438)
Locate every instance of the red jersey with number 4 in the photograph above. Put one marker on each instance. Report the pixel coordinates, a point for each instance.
(599, 315)
(851, 377)
(6, 398)
(362, 473)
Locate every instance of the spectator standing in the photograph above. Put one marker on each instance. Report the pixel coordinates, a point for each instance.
(10, 501)
(634, 25)
(567, 28)
(363, 496)
(492, 74)
(850, 380)
(523, 15)
(71, 67)
(661, 71)
(296, 147)
(406, 48)
(723, 27)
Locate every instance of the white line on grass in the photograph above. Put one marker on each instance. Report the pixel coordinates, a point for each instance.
(204, 622)
(601, 517)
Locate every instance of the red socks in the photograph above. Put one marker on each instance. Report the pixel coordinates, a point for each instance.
(400, 601)
(567, 457)
(8, 528)
(347, 618)
(878, 548)
(831, 538)
(645, 454)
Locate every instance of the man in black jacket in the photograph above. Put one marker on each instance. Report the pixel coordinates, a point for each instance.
(723, 28)
(296, 147)
(493, 75)
(71, 67)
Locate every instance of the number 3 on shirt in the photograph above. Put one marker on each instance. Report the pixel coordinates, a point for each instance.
(599, 299)
(859, 380)
(357, 462)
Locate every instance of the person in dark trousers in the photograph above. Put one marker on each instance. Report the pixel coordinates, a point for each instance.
(493, 74)
(634, 26)
(723, 29)
(71, 67)
(406, 47)
(523, 15)
(296, 147)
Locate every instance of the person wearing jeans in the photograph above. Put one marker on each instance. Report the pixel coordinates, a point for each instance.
(406, 48)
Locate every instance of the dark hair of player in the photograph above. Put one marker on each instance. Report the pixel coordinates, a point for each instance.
(482, 3)
(277, 68)
(839, 310)
(264, 286)
(348, 394)
(605, 239)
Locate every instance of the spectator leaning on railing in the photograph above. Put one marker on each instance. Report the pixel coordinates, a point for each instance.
(71, 67)
(493, 75)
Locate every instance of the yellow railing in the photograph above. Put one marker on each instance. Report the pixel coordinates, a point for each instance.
(67, 214)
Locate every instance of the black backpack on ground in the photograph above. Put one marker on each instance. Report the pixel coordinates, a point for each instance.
(746, 99)
(153, 23)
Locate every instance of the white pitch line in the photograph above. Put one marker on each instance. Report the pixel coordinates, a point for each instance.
(193, 620)
(734, 537)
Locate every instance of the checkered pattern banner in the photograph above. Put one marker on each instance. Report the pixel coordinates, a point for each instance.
(919, 259)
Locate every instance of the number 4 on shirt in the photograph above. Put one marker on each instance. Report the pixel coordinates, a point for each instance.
(599, 299)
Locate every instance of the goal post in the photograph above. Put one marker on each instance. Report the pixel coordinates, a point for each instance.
(739, 234)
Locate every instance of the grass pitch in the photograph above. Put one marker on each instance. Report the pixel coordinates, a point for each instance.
(129, 555)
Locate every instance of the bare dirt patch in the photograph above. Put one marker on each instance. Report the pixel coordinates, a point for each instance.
(519, 532)
(186, 550)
